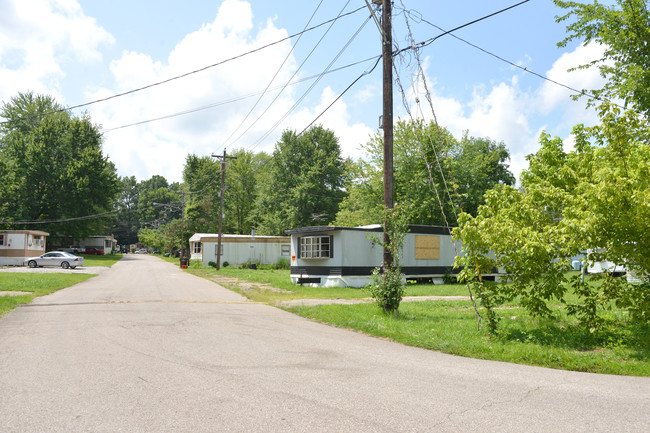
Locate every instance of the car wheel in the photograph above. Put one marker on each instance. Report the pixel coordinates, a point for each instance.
(65, 265)
(31, 264)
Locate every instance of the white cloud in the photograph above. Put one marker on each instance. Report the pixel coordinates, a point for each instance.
(337, 119)
(503, 112)
(552, 96)
(37, 36)
(204, 132)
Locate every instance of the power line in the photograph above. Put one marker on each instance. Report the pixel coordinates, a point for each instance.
(237, 99)
(304, 95)
(523, 68)
(341, 95)
(177, 77)
(293, 47)
(293, 75)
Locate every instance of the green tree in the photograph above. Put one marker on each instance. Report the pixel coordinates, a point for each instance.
(432, 171)
(593, 198)
(569, 202)
(364, 203)
(478, 165)
(202, 178)
(242, 176)
(126, 223)
(305, 185)
(623, 30)
(158, 201)
(54, 169)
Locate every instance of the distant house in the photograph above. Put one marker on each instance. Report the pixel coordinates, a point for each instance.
(99, 245)
(331, 256)
(18, 245)
(238, 249)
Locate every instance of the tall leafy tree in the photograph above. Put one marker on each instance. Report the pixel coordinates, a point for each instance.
(595, 197)
(158, 201)
(202, 177)
(53, 169)
(478, 165)
(434, 172)
(242, 177)
(306, 182)
(126, 223)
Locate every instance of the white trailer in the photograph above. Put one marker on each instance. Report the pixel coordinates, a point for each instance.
(18, 245)
(239, 249)
(331, 256)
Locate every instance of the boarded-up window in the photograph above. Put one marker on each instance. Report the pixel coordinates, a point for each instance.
(427, 247)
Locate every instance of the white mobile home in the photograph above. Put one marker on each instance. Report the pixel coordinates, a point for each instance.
(238, 249)
(331, 256)
(18, 245)
(99, 244)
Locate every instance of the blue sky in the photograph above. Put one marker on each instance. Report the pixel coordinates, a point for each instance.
(83, 50)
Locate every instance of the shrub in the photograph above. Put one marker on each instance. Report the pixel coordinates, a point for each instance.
(225, 264)
(212, 264)
(387, 288)
(282, 263)
(448, 277)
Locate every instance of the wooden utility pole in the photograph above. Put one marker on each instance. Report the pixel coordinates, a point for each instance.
(387, 51)
(183, 252)
(223, 181)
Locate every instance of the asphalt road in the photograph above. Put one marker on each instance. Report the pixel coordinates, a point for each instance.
(145, 347)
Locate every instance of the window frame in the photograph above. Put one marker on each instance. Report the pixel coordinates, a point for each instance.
(312, 247)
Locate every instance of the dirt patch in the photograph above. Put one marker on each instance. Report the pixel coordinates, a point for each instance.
(246, 286)
(315, 302)
(56, 270)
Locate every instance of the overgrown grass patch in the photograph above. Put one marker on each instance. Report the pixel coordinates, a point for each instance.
(622, 347)
(451, 327)
(36, 284)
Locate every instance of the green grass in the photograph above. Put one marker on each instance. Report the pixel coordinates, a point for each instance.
(106, 260)
(279, 279)
(36, 284)
(622, 348)
(451, 327)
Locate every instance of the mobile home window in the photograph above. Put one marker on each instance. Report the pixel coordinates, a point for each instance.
(2, 238)
(285, 250)
(197, 247)
(315, 247)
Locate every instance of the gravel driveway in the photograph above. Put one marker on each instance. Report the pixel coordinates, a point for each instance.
(56, 270)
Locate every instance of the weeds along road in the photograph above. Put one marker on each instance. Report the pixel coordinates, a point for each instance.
(145, 347)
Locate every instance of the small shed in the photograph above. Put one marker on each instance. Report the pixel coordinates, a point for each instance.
(331, 256)
(18, 245)
(238, 249)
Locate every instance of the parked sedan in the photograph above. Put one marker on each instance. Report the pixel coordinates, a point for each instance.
(55, 258)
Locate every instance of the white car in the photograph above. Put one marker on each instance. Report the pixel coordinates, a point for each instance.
(55, 258)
